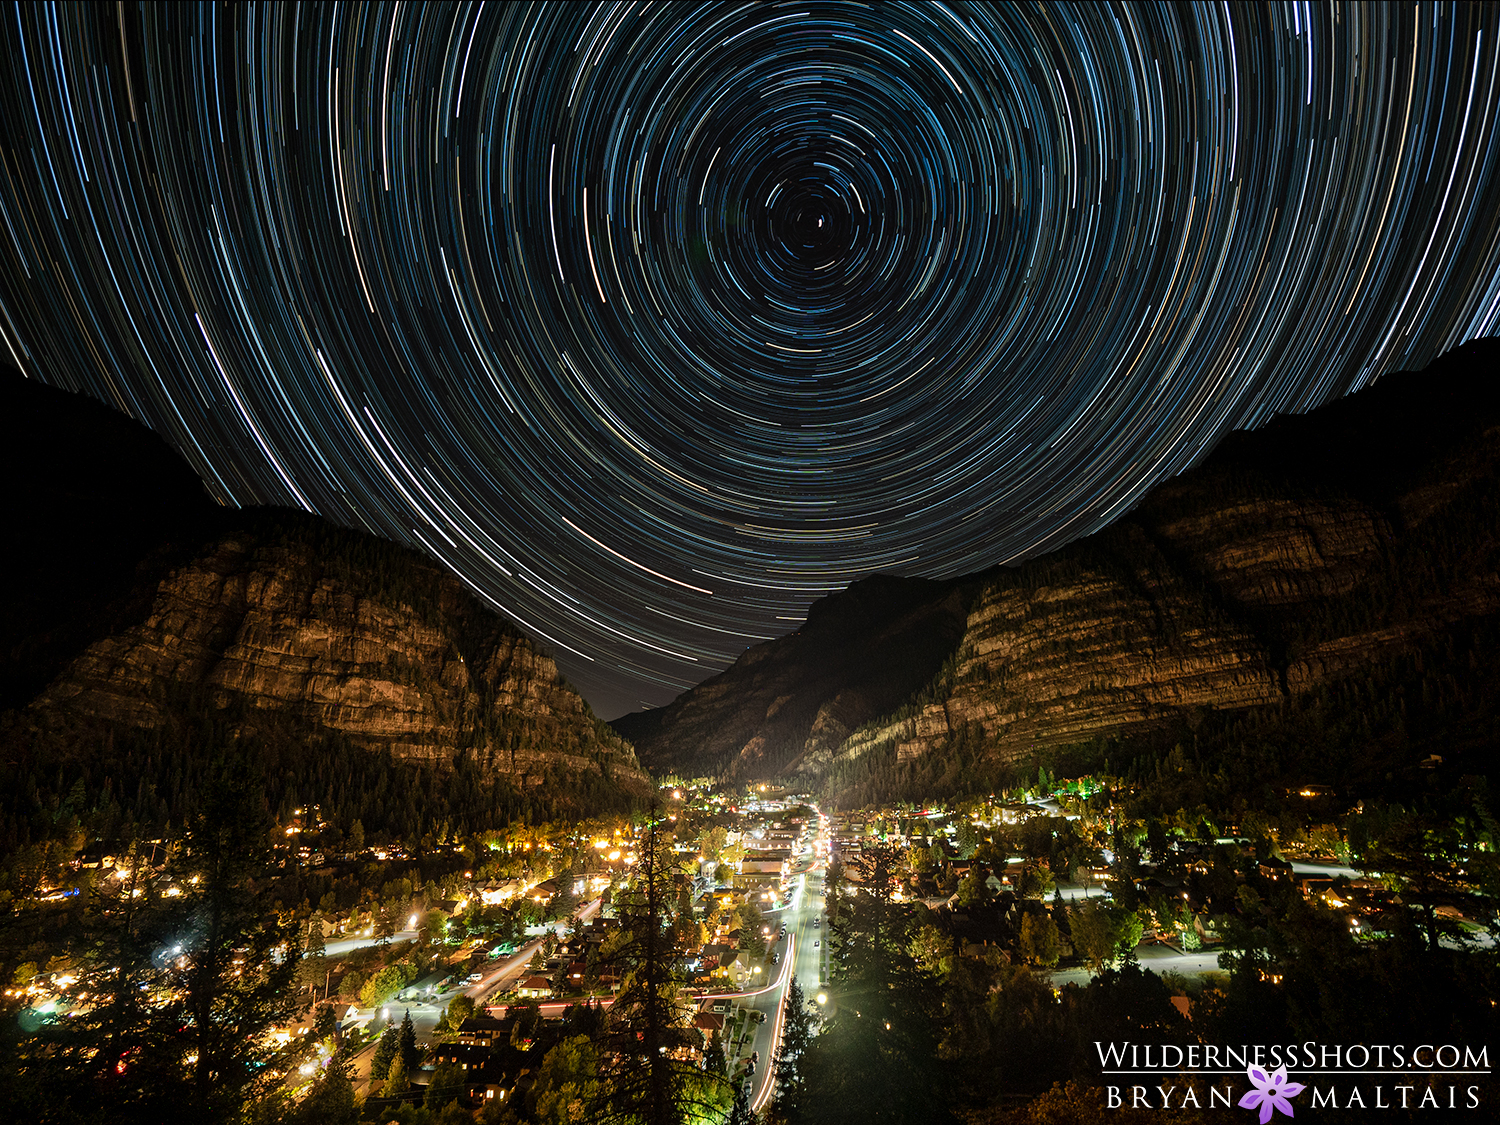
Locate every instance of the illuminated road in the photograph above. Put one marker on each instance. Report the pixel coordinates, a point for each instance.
(500, 979)
(803, 918)
(349, 945)
(1157, 958)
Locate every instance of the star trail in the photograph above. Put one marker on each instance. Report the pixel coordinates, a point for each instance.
(655, 323)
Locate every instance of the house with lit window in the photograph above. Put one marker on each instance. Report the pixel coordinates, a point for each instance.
(534, 988)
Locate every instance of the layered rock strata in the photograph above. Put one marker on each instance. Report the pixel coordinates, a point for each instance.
(264, 626)
(1317, 548)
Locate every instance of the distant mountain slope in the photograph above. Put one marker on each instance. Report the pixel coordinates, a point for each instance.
(135, 605)
(878, 641)
(1318, 548)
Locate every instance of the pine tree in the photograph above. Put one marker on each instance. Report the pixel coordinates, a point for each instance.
(411, 1055)
(385, 1052)
(797, 1031)
(316, 945)
(685, 931)
(387, 921)
(877, 1060)
(325, 1022)
(740, 1112)
(652, 1079)
(234, 988)
(398, 1082)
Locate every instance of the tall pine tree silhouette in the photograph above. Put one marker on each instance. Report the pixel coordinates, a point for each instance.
(650, 1073)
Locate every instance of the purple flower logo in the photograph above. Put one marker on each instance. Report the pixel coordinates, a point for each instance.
(1270, 1094)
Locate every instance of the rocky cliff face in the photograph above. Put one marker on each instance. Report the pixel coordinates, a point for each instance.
(1083, 645)
(285, 623)
(261, 624)
(1315, 549)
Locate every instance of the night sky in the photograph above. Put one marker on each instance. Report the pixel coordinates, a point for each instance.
(655, 325)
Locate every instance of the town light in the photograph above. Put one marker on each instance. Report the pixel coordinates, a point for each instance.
(822, 998)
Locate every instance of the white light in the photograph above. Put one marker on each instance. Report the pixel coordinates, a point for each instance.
(411, 922)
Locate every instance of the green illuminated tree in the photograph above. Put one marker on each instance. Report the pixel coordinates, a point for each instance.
(385, 1053)
(331, 1101)
(567, 1083)
(1039, 940)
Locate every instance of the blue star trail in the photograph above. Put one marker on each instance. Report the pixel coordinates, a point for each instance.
(655, 324)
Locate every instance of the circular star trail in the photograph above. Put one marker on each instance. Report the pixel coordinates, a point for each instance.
(654, 324)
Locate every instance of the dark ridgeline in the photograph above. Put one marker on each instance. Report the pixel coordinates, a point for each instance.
(860, 651)
(94, 501)
(1329, 584)
(144, 628)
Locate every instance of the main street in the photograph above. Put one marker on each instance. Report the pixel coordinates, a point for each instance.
(801, 951)
(800, 955)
